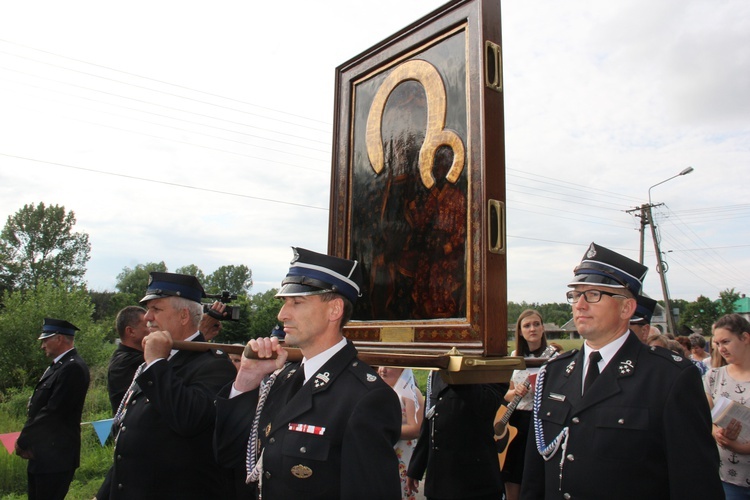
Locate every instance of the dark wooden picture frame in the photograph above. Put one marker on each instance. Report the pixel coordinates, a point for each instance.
(418, 184)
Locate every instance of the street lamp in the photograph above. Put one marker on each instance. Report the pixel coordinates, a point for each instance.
(684, 172)
(660, 264)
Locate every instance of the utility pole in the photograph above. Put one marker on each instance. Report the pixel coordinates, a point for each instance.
(661, 268)
(647, 218)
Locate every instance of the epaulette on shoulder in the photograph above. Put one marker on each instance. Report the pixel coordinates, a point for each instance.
(363, 372)
(563, 355)
(672, 356)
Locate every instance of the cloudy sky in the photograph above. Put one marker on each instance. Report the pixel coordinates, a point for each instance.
(200, 132)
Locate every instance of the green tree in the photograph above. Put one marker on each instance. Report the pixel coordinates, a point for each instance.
(38, 243)
(556, 313)
(23, 362)
(700, 314)
(727, 298)
(108, 304)
(135, 281)
(193, 270)
(264, 307)
(234, 279)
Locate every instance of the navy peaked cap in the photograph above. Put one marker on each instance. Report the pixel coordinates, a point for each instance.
(313, 273)
(162, 285)
(644, 310)
(51, 326)
(602, 266)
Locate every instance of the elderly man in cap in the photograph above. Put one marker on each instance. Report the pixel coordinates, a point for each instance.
(51, 437)
(324, 429)
(618, 419)
(164, 425)
(640, 323)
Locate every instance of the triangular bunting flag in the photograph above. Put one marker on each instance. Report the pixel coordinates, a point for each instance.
(9, 441)
(103, 428)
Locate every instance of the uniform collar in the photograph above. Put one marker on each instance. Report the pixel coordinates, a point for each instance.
(608, 351)
(61, 356)
(314, 364)
(190, 338)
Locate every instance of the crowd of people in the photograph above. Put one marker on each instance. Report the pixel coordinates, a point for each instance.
(628, 415)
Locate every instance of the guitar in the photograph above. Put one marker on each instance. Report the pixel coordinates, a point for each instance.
(505, 433)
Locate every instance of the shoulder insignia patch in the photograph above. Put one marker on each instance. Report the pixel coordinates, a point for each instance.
(626, 367)
(322, 379)
(670, 355)
(570, 367)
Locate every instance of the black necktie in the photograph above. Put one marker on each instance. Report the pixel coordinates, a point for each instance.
(298, 379)
(593, 370)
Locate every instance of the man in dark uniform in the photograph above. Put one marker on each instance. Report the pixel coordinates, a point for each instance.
(326, 428)
(640, 323)
(163, 445)
(456, 445)
(131, 328)
(51, 437)
(618, 419)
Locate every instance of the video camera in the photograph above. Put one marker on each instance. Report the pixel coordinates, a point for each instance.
(231, 313)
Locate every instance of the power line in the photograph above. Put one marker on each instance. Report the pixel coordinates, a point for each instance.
(174, 184)
(150, 79)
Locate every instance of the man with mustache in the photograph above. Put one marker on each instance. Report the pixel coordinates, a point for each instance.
(164, 425)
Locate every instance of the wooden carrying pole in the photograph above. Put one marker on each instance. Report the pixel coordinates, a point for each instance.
(440, 361)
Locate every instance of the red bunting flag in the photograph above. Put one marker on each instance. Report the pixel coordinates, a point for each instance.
(9, 441)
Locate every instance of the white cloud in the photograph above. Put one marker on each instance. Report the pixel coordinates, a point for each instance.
(112, 111)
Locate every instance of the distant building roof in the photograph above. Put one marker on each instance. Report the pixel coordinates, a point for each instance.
(742, 305)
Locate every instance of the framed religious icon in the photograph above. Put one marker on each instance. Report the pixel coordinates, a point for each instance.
(418, 184)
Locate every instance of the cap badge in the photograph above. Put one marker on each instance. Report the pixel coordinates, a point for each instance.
(626, 367)
(592, 252)
(295, 257)
(301, 471)
(322, 379)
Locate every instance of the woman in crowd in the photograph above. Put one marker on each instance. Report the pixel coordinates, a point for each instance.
(687, 349)
(531, 342)
(658, 339)
(698, 349)
(412, 413)
(731, 338)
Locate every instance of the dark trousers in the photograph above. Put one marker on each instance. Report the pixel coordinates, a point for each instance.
(49, 486)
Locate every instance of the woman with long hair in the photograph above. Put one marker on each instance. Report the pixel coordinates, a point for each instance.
(531, 342)
(731, 338)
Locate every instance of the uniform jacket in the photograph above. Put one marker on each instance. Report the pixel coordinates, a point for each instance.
(164, 445)
(456, 446)
(53, 428)
(353, 419)
(643, 430)
(122, 366)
